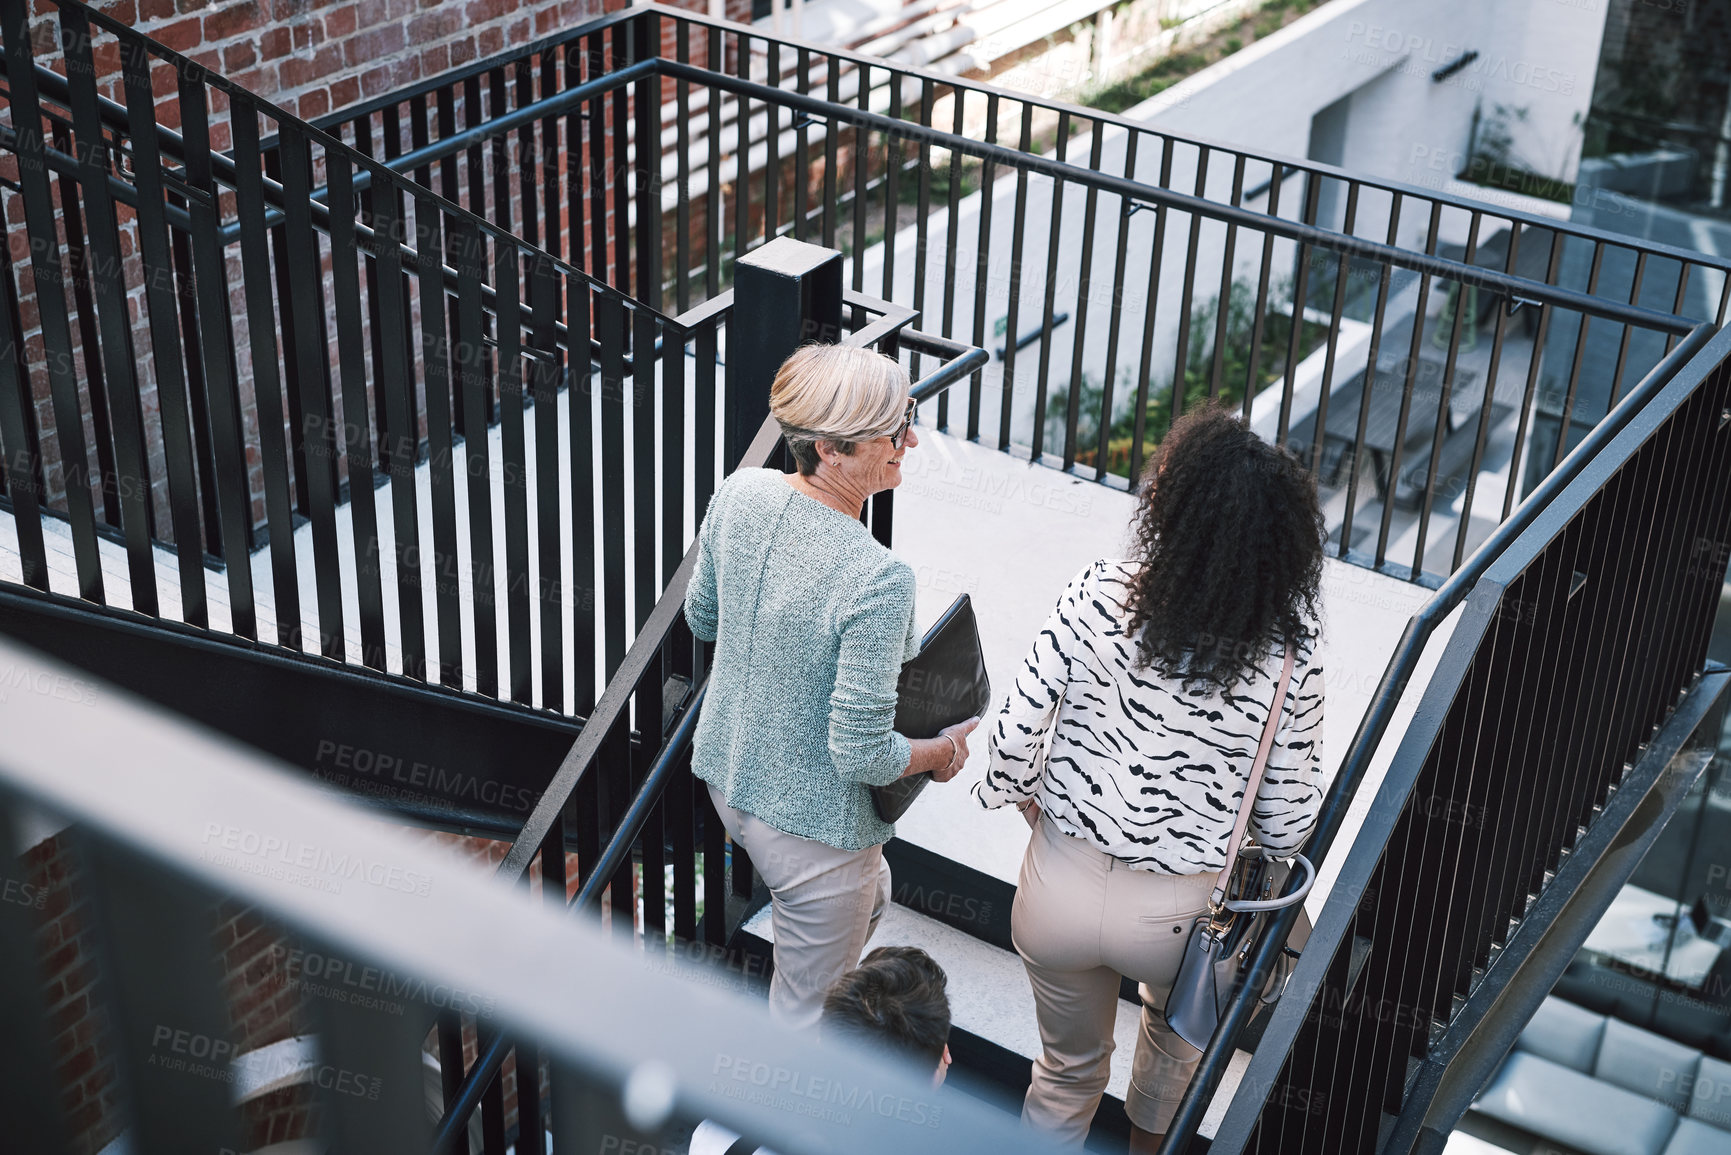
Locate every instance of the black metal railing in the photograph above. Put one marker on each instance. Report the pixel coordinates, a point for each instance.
(1344, 314)
(609, 176)
(305, 350)
(1586, 624)
(161, 843)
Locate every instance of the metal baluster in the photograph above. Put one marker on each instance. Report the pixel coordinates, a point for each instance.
(1412, 363)
(772, 147)
(644, 464)
(952, 200)
(1533, 362)
(831, 130)
(1139, 424)
(1223, 314)
(1300, 293)
(580, 400)
(83, 302)
(672, 471)
(1342, 273)
(647, 188)
(1444, 417)
(1252, 380)
(430, 244)
(1486, 404)
(742, 152)
(1115, 320)
(302, 253)
(370, 278)
(610, 321)
(357, 434)
(398, 386)
(1628, 331)
(1566, 417)
(682, 146)
(1187, 298)
(524, 157)
(1370, 371)
(923, 212)
(712, 254)
(514, 480)
(1084, 298)
(801, 151)
(555, 239)
(982, 264)
(477, 464)
(111, 310)
(18, 436)
(544, 368)
(1037, 445)
(1012, 334)
(267, 385)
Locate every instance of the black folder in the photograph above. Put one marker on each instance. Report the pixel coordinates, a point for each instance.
(945, 683)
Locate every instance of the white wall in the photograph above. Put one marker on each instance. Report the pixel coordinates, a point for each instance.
(1536, 55)
(1402, 126)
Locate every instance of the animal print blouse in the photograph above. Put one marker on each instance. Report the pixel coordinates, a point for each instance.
(1136, 765)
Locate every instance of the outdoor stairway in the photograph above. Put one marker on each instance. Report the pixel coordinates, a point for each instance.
(1011, 535)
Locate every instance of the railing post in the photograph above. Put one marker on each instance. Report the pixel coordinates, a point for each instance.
(785, 294)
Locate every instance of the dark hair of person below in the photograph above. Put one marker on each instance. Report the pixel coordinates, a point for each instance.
(895, 999)
(1229, 534)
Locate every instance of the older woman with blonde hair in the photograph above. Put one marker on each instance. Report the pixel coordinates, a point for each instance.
(812, 620)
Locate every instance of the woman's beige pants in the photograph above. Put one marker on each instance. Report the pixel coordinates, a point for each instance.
(1082, 918)
(825, 905)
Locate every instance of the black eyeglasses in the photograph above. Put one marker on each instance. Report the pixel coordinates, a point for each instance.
(900, 436)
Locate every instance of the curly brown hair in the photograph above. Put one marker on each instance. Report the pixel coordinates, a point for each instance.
(1230, 537)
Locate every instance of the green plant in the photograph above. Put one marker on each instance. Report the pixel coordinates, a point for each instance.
(1235, 372)
(1493, 161)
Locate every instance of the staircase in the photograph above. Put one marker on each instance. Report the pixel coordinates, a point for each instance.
(448, 576)
(955, 865)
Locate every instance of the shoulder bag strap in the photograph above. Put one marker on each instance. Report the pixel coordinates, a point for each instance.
(1218, 897)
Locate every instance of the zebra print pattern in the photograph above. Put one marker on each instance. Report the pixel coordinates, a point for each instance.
(1137, 766)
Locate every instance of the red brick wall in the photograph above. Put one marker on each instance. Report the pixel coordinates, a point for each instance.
(308, 57)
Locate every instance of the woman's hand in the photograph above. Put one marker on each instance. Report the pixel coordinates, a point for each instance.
(959, 735)
(1031, 812)
(941, 757)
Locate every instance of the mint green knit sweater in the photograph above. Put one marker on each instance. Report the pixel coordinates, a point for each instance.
(812, 620)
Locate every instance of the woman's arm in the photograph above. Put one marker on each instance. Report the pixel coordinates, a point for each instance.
(862, 706)
(941, 757)
(1290, 797)
(702, 609)
(1017, 741)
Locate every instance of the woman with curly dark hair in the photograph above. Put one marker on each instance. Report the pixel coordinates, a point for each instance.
(1128, 740)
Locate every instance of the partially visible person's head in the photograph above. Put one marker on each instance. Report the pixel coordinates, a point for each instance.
(1230, 536)
(837, 394)
(895, 1000)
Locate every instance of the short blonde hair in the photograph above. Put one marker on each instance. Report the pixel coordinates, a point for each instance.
(837, 393)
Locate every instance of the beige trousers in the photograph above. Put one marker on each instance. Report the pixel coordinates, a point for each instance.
(1082, 918)
(825, 905)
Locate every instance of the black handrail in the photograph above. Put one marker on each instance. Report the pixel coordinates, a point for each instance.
(1135, 192)
(172, 144)
(495, 1048)
(1290, 166)
(1374, 724)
